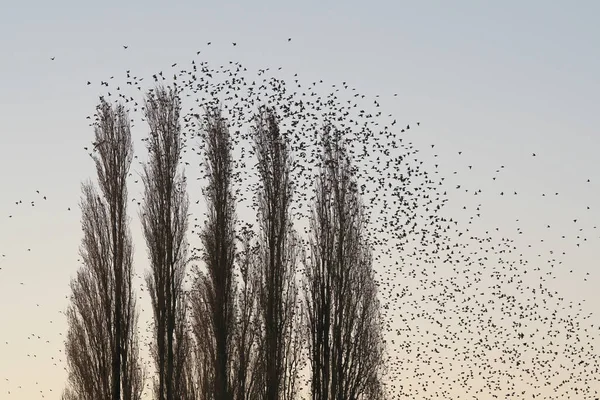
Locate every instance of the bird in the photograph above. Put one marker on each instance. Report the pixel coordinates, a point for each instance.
(486, 285)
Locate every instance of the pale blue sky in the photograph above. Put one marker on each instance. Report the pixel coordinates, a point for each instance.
(495, 80)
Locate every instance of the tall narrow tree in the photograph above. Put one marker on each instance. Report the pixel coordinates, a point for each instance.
(345, 340)
(101, 345)
(164, 221)
(278, 250)
(215, 289)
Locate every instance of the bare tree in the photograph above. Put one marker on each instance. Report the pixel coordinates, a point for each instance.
(278, 250)
(101, 345)
(215, 289)
(346, 346)
(164, 220)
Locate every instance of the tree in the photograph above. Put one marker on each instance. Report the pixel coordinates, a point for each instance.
(277, 256)
(214, 292)
(345, 342)
(101, 347)
(164, 222)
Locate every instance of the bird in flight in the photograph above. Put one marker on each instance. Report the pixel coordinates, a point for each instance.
(52, 58)
(125, 47)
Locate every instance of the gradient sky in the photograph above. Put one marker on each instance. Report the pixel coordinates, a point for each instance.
(496, 81)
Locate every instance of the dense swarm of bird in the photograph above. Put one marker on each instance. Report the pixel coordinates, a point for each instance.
(466, 315)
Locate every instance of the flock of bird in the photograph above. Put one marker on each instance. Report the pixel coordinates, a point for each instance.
(466, 315)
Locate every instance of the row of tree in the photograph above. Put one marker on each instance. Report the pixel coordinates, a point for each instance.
(249, 323)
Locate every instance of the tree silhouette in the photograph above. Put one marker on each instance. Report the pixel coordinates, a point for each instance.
(277, 257)
(214, 295)
(101, 347)
(164, 221)
(346, 347)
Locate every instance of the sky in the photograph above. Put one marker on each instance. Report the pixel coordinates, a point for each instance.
(495, 81)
